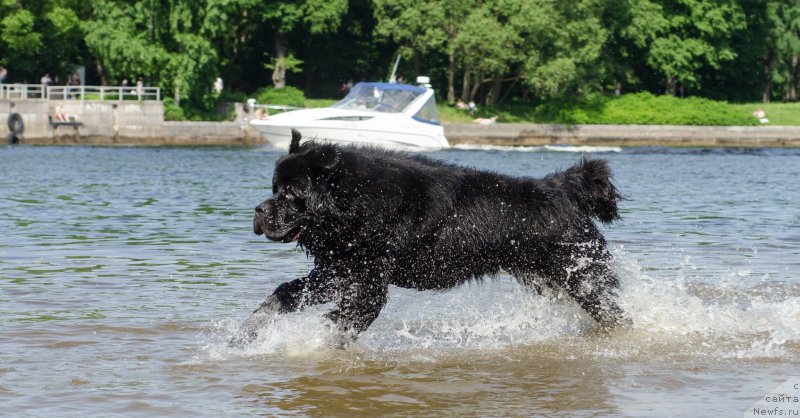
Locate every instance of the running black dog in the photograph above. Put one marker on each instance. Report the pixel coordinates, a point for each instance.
(371, 218)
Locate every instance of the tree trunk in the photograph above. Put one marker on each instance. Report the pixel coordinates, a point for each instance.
(672, 83)
(497, 85)
(767, 93)
(417, 64)
(101, 72)
(474, 92)
(793, 84)
(451, 75)
(465, 96)
(309, 78)
(279, 72)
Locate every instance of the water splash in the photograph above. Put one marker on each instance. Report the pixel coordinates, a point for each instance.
(674, 318)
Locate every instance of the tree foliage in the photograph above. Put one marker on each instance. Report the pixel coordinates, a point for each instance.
(475, 50)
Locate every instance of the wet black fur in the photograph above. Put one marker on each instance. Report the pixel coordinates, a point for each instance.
(372, 217)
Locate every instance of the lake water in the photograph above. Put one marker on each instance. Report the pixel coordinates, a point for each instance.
(123, 271)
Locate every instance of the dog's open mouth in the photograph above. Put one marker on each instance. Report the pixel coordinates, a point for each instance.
(287, 234)
(297, 234)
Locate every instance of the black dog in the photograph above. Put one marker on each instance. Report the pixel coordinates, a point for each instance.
(371, 218)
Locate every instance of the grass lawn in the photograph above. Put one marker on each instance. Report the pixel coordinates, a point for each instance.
(633, 109)
(779, 114)
(639, 108)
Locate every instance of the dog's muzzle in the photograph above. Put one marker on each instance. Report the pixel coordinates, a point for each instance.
(267, 221)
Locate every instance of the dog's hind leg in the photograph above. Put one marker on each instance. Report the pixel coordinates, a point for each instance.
(290, 296)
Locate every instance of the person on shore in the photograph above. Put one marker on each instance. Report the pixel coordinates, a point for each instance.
(68, 87)
(46, 80)
(140, 87)
(218, 86)
(3, 73)
(471, 107)
(59, 115)
(486, 121)
(761, 116)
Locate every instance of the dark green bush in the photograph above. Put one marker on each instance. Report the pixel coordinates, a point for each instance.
(172, 111)
(289, 96)
(232, 97)
(641, 109)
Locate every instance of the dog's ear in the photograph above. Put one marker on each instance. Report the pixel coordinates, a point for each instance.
(326, 157)
(295, 144)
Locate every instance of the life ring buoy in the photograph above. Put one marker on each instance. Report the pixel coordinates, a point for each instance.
(15, 123)
(15, 127)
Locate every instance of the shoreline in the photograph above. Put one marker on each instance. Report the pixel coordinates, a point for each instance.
(141, 123)
(502, 134)
(526, 134)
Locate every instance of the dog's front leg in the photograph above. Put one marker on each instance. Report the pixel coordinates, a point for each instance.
(290, 296)
(361, 302)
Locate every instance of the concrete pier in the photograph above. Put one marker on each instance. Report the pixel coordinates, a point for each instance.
(118, 123)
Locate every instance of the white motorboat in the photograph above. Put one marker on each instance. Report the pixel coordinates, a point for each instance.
(390, 115)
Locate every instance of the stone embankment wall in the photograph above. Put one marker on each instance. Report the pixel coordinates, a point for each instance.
(517, 134)
(119, 123)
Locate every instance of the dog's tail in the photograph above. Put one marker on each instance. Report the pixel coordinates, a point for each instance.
(592, 189)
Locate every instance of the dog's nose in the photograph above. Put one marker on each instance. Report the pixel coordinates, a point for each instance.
(261, 208)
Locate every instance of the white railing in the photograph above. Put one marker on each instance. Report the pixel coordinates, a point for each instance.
(103, 93)
(40, 91)
(22, 91)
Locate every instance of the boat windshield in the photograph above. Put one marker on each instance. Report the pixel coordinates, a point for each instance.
(380, 97)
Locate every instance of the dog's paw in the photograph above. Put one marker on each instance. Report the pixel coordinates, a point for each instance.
(341, 337)
(242, 338)
(260, 318)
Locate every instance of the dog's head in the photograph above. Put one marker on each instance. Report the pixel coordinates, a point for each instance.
(296, 188)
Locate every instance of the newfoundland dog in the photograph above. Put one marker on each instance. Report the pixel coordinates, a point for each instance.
(372, 217)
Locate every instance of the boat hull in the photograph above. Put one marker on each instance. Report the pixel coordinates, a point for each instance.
(279, 136)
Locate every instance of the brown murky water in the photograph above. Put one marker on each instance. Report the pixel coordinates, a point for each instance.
(124, 271)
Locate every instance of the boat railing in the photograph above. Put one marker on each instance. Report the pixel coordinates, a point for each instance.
(262, 111)
(43, 92)
(276, 107)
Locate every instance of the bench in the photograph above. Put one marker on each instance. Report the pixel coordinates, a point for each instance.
(71, 122)
(74, 124)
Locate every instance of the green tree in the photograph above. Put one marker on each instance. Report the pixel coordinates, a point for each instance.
(39, 37)
(782, 58)
(563, 43)
(489, 48)
(423, 28)
(319, 16)
(167, 44)
(553, 47)
(21, 42)
(680, 37)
